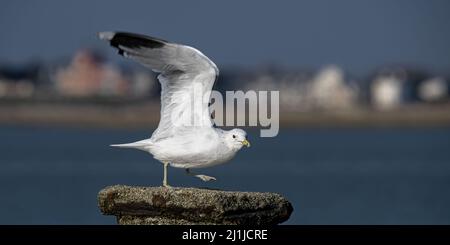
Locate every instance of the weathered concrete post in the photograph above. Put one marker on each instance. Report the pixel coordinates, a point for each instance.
(182, 206)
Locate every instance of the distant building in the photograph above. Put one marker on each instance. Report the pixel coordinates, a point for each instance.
(329, 90)
(87, 76)
(386, 92)
(291, 85)
(18, 82)
(394, 87)
(305, 91)
(433, 89)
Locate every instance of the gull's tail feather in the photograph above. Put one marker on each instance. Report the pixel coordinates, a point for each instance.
(141, 145)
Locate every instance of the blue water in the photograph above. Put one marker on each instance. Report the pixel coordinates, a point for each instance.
(332, 176)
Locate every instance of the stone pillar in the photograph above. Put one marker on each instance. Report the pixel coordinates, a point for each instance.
(184, 206)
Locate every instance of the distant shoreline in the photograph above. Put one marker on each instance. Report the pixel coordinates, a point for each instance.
(145, 114)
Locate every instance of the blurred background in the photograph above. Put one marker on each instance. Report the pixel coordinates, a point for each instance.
(364, 105)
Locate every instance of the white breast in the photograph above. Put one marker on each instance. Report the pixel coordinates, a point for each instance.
(196, 149)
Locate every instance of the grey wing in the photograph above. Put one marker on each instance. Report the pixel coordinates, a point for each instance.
(187, 77)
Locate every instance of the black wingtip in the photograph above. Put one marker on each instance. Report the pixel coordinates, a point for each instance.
(132, 40)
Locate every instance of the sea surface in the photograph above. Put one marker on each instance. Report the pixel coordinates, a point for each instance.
(332, 176)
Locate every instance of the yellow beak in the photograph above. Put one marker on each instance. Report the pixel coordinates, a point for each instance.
(246, 143)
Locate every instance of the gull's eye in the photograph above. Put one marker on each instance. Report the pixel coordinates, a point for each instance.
(234, 136)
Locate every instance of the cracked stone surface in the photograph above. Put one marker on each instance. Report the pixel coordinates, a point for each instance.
(185, 206)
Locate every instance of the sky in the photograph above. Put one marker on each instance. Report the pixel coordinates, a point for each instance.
(358, 35)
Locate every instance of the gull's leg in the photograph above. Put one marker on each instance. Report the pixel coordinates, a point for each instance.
(166, 164)
(205, 178)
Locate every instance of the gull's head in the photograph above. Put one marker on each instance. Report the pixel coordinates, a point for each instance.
(236, 138)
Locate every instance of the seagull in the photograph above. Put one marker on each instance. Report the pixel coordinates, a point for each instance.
(186, 136)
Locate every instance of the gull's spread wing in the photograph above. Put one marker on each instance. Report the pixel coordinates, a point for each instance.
(186, 76)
